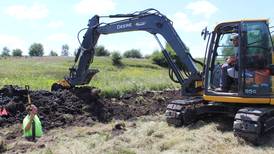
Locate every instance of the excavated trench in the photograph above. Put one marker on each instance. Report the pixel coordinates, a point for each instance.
(80, 106)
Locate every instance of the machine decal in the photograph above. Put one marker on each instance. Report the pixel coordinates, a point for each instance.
(123, 26)
(140, 23)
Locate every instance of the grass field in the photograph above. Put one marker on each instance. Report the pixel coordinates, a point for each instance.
(41, 72)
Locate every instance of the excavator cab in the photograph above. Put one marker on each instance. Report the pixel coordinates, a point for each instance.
(249, 79)
(250, 73)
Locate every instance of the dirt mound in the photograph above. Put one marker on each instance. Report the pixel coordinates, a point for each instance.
(79, 105)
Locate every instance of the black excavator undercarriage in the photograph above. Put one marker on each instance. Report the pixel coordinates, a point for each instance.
(251, 122)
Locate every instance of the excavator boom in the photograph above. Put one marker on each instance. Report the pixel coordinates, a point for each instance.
(151, 21)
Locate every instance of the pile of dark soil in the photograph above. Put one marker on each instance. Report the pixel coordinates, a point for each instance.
(79, 106)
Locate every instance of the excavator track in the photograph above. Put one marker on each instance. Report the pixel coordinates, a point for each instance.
(182, 112)
(251, 123)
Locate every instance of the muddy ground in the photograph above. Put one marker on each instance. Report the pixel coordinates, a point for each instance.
(76, 107)
(80, 105)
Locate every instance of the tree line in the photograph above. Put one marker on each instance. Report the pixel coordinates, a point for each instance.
(36, 49)
(133, 53)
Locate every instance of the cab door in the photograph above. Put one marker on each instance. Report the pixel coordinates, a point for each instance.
(256, 53)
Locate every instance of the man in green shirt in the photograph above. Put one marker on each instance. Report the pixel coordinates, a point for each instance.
(31, 124)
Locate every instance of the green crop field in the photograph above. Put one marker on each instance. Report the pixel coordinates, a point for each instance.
(40, 72)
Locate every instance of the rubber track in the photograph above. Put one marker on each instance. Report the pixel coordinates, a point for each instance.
(251, 123)
(181, 112)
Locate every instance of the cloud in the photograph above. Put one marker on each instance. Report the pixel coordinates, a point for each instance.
(197, 48)
(55, 24)
(94, 6)
(12, 42)
(59, 37)
(36, 11)
(202, 7)
(55, 41)
(182, 21)
(143, 41)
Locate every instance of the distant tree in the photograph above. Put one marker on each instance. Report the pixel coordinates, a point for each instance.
(133, 53)
(65, 50)
(101, 51)
(116, 58)
(158, 58)
(174, 56)
(147, 56)
(36, 49)
(53, 53)
(5, 52)
(229, 49)
(17, 53)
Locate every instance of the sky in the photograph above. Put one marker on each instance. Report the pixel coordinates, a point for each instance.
(55, 23)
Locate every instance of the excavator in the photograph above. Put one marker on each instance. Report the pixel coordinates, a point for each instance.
(250, 98)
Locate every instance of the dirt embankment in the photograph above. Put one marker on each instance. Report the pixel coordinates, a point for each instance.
(75, 107)
(79, 106)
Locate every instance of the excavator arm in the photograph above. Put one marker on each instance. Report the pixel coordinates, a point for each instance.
(149, 20)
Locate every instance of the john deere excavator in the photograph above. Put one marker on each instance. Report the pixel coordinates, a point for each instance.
(249, 100)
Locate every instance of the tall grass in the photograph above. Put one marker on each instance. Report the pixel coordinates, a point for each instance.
(40, 72)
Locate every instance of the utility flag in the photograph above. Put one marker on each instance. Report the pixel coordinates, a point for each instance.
(3, 112)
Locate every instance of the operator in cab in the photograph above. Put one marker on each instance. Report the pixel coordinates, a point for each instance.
(32, 126)
(229, 69)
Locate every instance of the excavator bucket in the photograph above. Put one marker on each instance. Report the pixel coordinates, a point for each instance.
(74, 79)
(89, 75)
(62, 84)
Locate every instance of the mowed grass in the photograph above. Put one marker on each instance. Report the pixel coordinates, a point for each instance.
(40, 72)
(150, 135)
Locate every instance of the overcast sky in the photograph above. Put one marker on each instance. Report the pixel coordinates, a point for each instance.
(57, 22)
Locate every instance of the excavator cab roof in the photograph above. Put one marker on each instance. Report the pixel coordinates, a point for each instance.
(239, 21)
